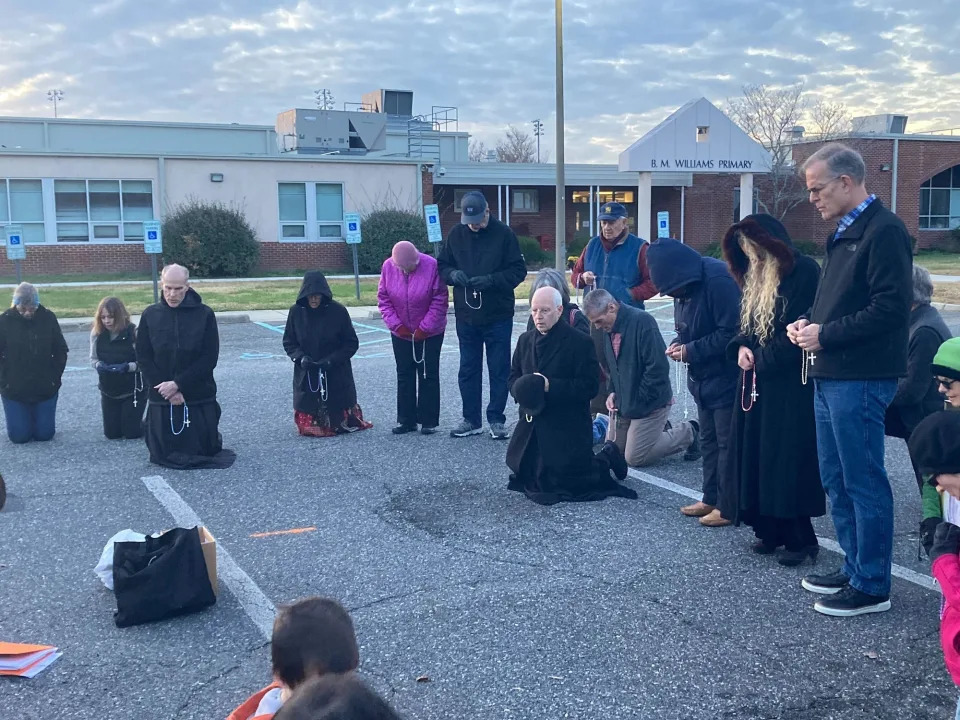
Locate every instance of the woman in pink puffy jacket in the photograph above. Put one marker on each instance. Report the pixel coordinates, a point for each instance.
(413, 302)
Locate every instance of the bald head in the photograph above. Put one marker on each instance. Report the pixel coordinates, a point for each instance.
(546, 307)
(175, 281)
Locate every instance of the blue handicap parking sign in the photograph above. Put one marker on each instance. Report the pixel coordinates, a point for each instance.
(433, 220)
(353, 227)
(152, 235)
(14, 239)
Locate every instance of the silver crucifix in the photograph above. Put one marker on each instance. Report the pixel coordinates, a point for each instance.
(474, 294)
(754, 395)
(810, 358)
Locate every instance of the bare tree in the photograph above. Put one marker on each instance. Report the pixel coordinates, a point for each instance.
(770, 116)
(516, 146)
(829, 120)
(477, 151)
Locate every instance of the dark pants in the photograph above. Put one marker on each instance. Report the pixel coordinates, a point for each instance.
(473, 338)
(850, 447)
(715, 446)
(418, 384)
(121, 419)
(31, 421)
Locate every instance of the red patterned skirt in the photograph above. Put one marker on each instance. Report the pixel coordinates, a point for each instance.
(320, 425)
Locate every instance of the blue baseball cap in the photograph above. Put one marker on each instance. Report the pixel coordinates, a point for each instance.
(472, 206)
(612, 211)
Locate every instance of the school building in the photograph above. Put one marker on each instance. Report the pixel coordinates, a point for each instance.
(81, 189)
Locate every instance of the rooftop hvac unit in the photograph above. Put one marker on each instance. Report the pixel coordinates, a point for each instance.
(327, 131)
(881, 124)
(390, 102)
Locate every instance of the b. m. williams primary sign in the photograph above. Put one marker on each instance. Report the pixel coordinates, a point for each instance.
(716, 165)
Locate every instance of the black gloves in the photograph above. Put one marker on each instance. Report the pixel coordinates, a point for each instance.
(927, 529)
(945, 540)
(459, 278)
(481, 282)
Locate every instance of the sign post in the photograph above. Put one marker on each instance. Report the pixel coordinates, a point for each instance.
(663, 224)
(352, 223)
(16, 250)
(153, 246)
(431, 214)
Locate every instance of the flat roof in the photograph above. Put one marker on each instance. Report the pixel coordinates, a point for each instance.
(919, 137)
(136, 123)
(493, 173)
(288, 157)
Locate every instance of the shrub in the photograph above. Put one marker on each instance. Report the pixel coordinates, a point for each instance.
(713, 250)
(534, 255)
(210, 239)
(808, 247)
(382, 229)
(580, 240)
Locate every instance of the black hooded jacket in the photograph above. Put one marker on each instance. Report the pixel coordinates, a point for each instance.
(181, 344)
(326, 336)
(707, 315)
(33, 355)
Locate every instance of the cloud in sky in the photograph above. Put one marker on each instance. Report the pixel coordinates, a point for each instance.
(626, 64)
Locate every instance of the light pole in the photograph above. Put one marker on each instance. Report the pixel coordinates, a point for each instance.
(561, 181)
(54, 96)
(538, 131)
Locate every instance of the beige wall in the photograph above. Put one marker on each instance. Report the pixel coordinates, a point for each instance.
(252, 185)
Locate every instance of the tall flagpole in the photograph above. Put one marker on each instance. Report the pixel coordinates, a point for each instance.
(561, 241)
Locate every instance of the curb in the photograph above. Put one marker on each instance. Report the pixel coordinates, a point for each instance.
(87, 323)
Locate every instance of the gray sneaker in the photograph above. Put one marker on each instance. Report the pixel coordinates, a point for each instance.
(498, 431)
(465, 429)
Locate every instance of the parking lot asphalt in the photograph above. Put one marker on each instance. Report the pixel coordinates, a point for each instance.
(499, 607)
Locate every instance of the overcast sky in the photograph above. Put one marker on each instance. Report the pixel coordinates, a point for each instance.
(628, 62)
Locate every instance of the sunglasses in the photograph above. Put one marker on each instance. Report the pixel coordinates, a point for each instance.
(945, 382)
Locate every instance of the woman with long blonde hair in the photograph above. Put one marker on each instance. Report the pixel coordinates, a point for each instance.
(774, 477)
(113, 356)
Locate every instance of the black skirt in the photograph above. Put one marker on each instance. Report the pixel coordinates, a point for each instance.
(174, 444)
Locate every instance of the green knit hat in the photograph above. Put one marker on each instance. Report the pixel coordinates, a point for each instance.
(946, 362)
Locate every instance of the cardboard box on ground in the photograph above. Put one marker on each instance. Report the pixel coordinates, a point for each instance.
(208, 543)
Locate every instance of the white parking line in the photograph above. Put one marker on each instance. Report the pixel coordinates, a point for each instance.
(254, 602)
(924, 581)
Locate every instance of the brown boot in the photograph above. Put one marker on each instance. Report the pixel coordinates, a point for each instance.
(714, 519)
(698, 509)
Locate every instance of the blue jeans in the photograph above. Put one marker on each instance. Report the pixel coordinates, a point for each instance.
(30, 421)
(849, 415)
(496, 337)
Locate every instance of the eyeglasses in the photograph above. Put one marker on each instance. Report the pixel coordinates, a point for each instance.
(946, 382)
(820, 189)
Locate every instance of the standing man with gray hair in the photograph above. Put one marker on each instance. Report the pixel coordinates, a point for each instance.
(33, 355)
(855, 347)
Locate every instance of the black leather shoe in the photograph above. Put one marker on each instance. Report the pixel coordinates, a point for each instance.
(792, 558)
(826, 584)
(761, 548)
(693, 451)
(403, 429)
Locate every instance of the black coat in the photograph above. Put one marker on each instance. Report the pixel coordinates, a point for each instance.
(863, 302)
(325, 335)
(493, 251)
(181, 344)
(33, 355)
(113, 351)
(551, 455)
(773, 469)
(918, 392)
(707, 316)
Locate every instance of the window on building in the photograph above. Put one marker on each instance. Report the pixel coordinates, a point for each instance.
(458, 197)
(703, 133)
(526, 201)
(319, 220)
(21, 203)
(940, 201)
(102, 210)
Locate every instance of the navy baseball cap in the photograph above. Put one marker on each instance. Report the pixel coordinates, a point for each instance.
(473, 206)
(612, 211)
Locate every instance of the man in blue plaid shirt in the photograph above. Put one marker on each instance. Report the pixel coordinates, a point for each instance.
(855, 347)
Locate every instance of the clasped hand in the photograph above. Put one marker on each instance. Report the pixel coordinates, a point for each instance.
(805, 334)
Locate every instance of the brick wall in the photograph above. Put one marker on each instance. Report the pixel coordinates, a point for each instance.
(69, 259)
(918, 161)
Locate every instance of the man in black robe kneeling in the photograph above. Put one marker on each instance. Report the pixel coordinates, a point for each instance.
(553, 377)
(178, 346)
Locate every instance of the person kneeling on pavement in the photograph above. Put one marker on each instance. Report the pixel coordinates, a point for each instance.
(640, 393)
(553, 377)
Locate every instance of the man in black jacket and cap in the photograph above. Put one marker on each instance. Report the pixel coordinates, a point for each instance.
(178, 346)
(555, 374)
(481, 259)
(706, 309)
(855, 343)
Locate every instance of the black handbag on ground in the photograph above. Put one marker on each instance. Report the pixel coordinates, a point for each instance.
(160, 577)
